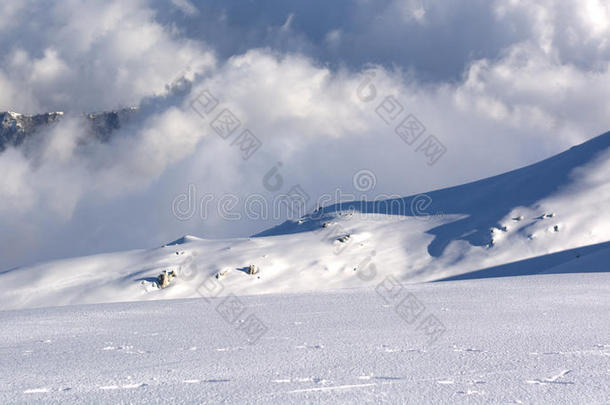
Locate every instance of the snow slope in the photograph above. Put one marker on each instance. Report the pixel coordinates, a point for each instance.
(549, 217)
(516, 340)
(330, 319)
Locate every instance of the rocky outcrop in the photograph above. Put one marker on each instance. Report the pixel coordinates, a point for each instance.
(15, 128)
(103, 124)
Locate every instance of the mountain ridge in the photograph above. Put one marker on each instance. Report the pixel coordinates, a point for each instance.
(16, 128)
(541, 179)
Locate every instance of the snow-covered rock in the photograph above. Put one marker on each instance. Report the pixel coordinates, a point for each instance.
(15, 128)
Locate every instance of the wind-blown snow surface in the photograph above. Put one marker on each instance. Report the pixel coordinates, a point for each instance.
(331, 335)
(535, 339)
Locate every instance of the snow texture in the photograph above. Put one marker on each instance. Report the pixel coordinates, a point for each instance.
(535, 339)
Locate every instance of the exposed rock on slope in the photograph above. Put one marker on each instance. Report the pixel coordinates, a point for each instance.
(15, 128)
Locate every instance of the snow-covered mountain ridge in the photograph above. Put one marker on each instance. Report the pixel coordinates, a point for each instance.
(15, 128)
(550, 217)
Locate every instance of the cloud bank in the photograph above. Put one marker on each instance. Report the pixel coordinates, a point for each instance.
(501, 85)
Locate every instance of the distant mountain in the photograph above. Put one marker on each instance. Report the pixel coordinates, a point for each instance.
(15, 128)
(489, 202)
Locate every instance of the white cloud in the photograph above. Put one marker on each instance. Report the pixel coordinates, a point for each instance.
(412, 9)
(186, 7)
(333, 38)
(90, 55)
(288, 22)
(538, 94)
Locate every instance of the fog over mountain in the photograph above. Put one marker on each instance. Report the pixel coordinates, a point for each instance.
(16, 128)
(500, 85)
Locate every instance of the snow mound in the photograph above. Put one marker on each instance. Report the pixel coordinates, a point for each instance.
(183, 240)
